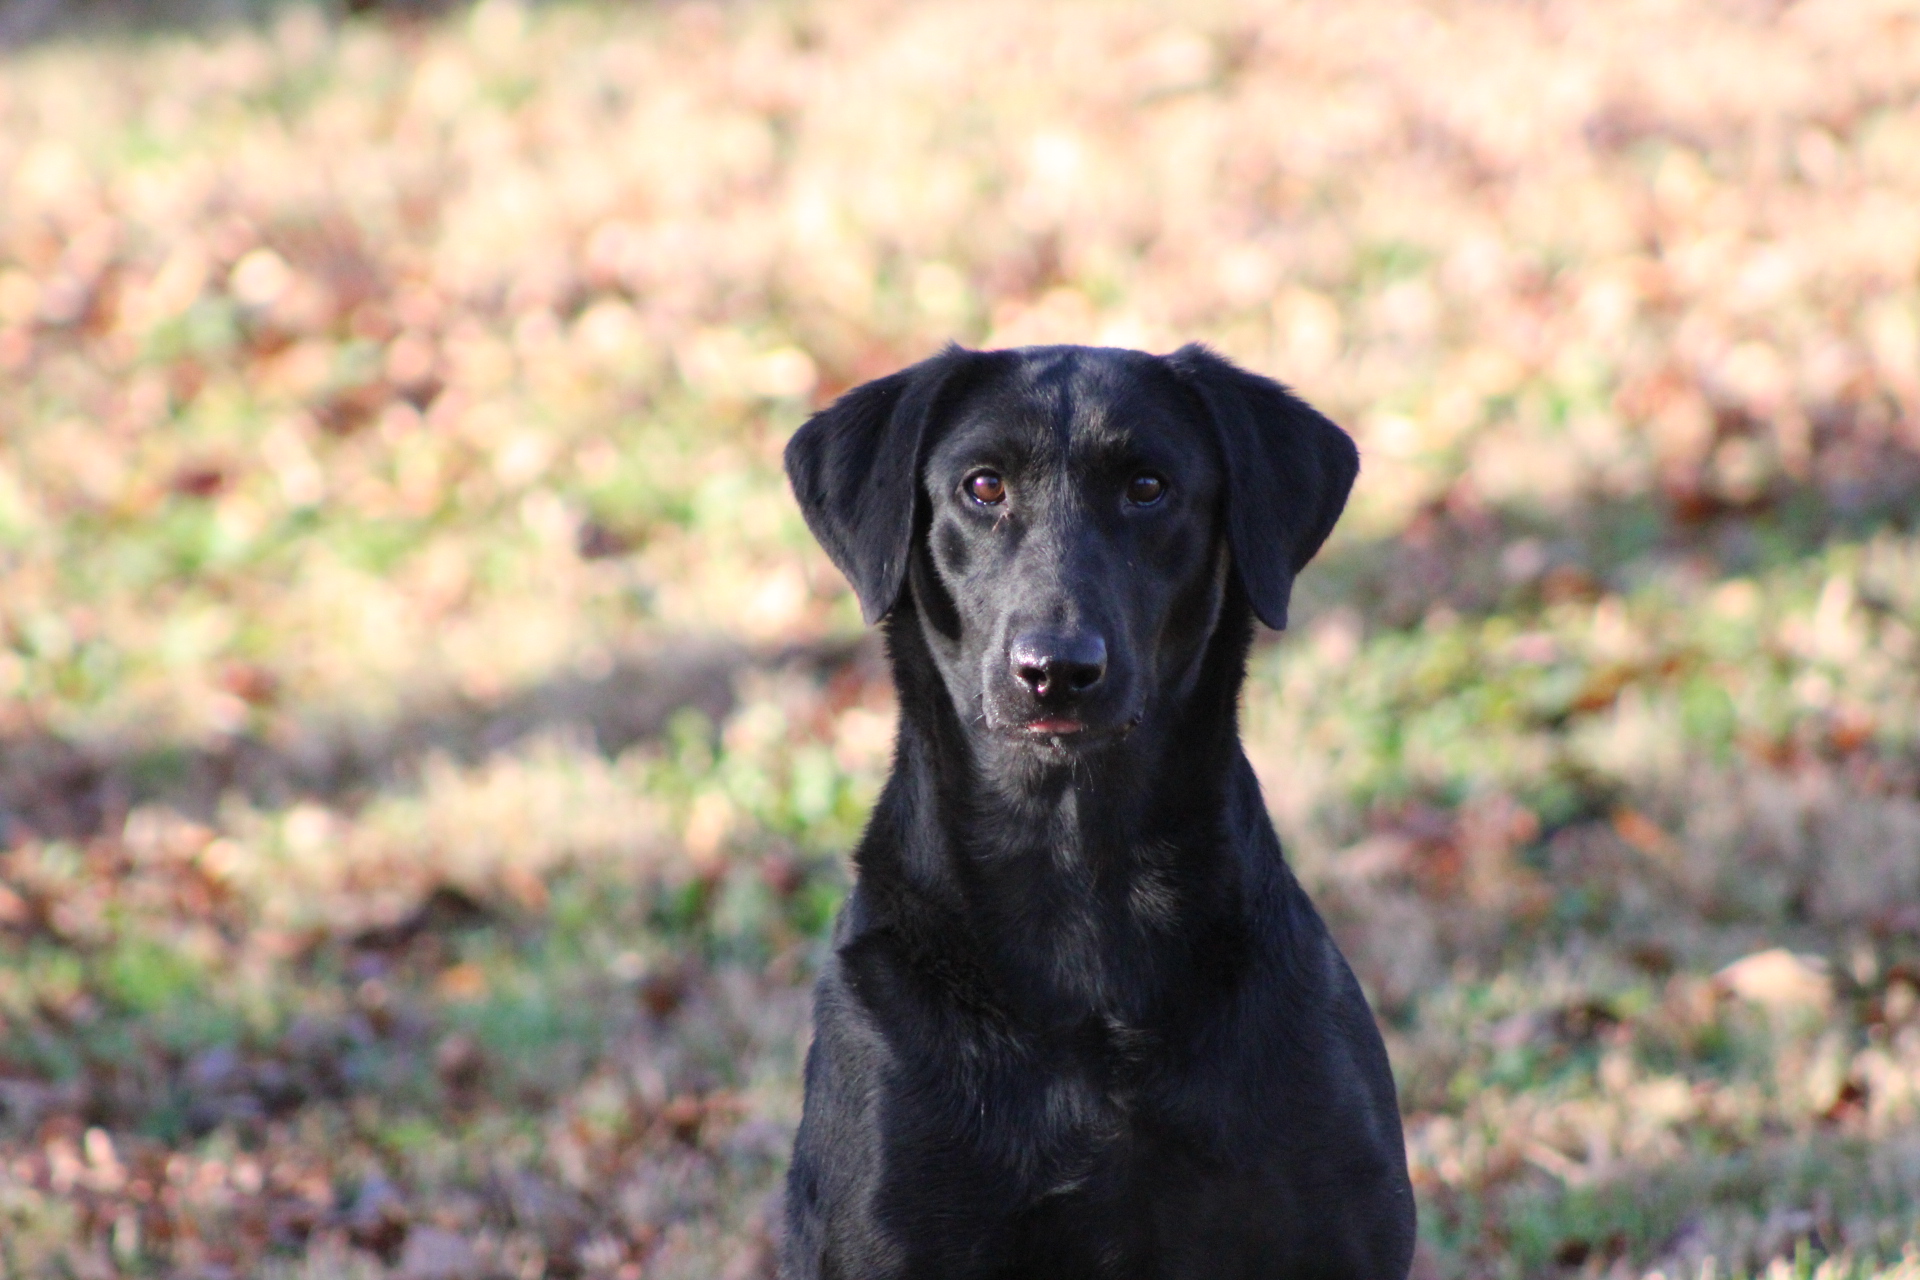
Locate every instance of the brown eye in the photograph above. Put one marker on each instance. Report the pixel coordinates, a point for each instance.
(986, 488)
(1146, 489)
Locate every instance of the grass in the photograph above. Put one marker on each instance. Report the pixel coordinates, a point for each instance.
(428, 736)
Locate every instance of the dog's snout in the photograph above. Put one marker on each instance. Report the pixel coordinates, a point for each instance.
(1052, 665)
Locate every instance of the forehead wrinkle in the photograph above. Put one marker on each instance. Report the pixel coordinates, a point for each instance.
(1061, 407)
(1124, 424)
(1050, 384)
(1106, 450)
(1085, 401)
(1002, 430)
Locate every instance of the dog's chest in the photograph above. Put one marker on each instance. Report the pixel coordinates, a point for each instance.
(1057, 1107)
(1069, 1140)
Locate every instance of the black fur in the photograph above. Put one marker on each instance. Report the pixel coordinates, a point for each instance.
(1079, 1019)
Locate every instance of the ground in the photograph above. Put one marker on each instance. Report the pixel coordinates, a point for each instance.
(429, 738)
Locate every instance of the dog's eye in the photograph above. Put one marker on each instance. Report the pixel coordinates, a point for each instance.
(1146, 489)
(986, 488)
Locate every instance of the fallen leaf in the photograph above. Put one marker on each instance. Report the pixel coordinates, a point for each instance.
(1779, 980)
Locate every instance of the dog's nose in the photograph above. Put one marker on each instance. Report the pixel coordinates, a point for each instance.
(1053, 665)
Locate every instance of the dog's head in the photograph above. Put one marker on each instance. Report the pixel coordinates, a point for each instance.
(1066, 520)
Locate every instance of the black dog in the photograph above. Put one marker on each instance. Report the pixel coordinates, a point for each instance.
(1080, 1020)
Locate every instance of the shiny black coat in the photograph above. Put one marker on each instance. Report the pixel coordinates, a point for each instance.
(1079, 1018)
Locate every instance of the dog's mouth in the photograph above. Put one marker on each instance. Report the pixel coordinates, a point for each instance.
(1068, 731)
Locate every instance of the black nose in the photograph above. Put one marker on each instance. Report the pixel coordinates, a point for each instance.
(1054, 665)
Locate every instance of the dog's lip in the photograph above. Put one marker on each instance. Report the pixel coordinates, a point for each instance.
(1053, 726)
(1061, 730)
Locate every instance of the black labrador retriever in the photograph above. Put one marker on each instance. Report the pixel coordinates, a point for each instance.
(1079, 1019)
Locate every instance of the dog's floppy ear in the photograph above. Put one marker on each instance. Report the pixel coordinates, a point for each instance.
(1288, 474)
(854, 467)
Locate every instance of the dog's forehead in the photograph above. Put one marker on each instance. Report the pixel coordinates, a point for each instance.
(1074, 402)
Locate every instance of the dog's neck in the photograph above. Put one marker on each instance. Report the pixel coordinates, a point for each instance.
(1075, 878)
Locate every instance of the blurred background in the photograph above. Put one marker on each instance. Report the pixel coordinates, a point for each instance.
(429, 737)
